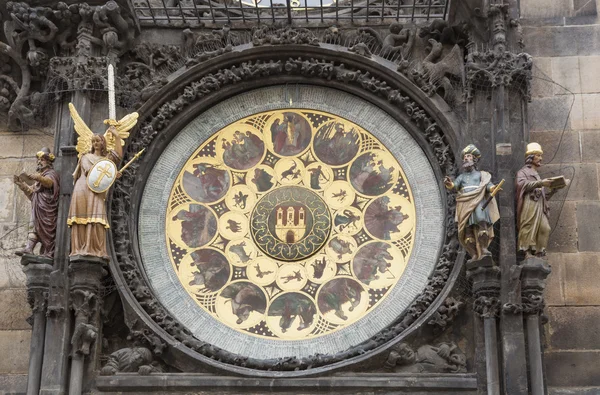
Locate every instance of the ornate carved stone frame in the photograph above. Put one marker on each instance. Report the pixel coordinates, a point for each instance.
(224, 76)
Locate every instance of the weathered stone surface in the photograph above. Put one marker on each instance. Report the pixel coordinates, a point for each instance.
(558, 147)
(14, 309)
(11, 275)
(7, 199)
(580, 284)
(563, 40)
(588, 69)
(13, 384)
(576, 112)
(545, 9)
(24, 145)
(572, 368)
(590, 141)
(9, 167)
(584, 180)
(14, 346)
(574, 328)
(563, 221)
(584, 7)
(554, 293)
(541, 85)
(588, 221)
(591, 115)
(574, 391)
(565, 72)
(552, 113)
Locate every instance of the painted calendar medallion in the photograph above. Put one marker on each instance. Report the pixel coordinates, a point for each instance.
(290, 224)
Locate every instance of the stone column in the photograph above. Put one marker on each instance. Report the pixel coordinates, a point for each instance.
(85, 275)
(486, 290)
(37, 270)
(533, 282)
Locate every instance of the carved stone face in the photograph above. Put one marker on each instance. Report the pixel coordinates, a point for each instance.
(537, 160)
(97, 144)
(406, 353)
(42, 163)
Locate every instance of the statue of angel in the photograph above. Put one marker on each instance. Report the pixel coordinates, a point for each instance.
(95, 172)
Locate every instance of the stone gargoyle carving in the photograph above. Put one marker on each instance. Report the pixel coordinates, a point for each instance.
(445, 358)
(134, 359)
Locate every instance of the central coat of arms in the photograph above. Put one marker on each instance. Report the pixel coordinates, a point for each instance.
(290, 223)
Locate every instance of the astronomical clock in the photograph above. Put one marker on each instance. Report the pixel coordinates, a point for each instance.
(289, 231)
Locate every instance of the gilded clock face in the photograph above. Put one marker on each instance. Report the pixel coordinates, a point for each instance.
(290, 224)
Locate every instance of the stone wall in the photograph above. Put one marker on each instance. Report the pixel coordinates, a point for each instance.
(564, 38)
(17, 154)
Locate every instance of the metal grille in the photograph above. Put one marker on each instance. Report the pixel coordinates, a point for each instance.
(197, 13)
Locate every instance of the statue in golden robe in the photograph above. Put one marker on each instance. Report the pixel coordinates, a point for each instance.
(533, 211)
(87, 212)
(476, 208)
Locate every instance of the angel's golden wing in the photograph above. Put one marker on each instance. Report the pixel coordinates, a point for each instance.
(123, 126)
(84, 139)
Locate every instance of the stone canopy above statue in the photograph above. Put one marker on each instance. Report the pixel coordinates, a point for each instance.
(290, 226)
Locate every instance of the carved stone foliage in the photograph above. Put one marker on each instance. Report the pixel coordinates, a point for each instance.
(153, 125)
(443, 358)
(492, 68)
(283, 35)
(446, 313)
(33, 34)
(487, 306)
(133, 359)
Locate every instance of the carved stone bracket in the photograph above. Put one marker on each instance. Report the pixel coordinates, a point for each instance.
(486, 286)
(202, 88)
(37, 270)
(86, 274)
(534, 272)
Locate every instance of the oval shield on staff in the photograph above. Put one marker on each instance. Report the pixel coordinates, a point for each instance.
(102, 176)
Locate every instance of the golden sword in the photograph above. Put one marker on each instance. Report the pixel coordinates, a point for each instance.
(497, 189)
(131, 161)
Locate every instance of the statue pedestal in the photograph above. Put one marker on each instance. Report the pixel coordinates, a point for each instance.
(533, 283)
(86, 273)
(37, 269)
(486, 290)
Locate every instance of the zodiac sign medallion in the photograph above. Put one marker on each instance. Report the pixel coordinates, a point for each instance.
(290, 224)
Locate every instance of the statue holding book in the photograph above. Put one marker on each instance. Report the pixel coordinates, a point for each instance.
(533, 211)
(42, 189)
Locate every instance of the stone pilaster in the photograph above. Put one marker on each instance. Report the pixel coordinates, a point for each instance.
(37, 270)
(486, 291)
